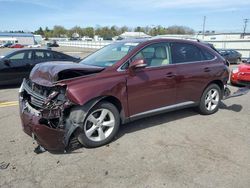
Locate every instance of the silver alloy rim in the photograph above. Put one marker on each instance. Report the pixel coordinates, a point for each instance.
(99, 125)
(212, 99)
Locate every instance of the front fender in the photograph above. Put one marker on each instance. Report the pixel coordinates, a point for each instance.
(77, 117)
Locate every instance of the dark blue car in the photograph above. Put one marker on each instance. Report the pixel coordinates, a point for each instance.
(17, 65)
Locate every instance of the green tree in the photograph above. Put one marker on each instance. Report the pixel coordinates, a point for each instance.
(88, 31)
(59, 31)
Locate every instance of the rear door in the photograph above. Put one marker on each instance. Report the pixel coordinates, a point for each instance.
(39, 56)
(154, 87)
(193, 70)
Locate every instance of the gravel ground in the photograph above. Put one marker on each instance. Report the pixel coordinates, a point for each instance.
(177, 149)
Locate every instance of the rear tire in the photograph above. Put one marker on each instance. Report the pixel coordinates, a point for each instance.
(210, 100)
(100, 125)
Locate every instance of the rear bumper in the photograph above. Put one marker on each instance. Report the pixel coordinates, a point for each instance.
(49, 138)
(240, 79)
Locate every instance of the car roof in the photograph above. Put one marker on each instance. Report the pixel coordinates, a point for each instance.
(28, 49)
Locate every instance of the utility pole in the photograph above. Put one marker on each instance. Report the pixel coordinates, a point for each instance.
(245, 27)
(203, 29)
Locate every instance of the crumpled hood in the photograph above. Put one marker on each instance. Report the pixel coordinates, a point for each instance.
(50, 72)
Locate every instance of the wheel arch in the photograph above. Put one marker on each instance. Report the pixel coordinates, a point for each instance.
(217, 82)
(72, 126)
(117, 103)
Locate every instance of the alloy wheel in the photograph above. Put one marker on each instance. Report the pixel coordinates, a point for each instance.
(212, 99)
(99, 124)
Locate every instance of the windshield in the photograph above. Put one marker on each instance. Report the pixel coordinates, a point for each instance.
(109, 55)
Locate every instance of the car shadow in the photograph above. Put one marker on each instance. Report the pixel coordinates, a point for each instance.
(155, 121)
(234, 107)
(166, 118)
(152, 121)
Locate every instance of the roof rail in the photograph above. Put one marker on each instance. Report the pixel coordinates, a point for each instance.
(176, 37)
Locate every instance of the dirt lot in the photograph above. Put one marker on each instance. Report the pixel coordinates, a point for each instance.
(178, 149)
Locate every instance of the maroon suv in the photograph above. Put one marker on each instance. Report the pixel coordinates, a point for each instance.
(119, 83)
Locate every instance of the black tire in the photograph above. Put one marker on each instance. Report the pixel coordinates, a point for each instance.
(203, 108)
(85, 140)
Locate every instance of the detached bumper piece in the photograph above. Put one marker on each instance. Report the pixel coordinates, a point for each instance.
(241, 91)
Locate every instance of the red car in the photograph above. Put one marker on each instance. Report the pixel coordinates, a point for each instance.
(241, 74)
(16, 46)
(85, 103)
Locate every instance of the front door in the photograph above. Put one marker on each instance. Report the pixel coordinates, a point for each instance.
(18, 67)
(154, 87)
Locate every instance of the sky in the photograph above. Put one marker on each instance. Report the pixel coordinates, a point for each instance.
(29, 15)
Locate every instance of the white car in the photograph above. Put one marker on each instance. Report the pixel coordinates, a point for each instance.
(34, 46)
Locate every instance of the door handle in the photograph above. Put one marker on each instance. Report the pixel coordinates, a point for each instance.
(170, 75)
(207, 69)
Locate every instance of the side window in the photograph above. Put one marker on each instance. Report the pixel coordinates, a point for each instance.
(182, 52)
(48, 55)
(29, 55)
(59, 56)
(155, 55)
(207, 55)
(39, 55)
(18, 56)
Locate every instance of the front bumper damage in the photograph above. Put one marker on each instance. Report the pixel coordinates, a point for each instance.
(44, 117)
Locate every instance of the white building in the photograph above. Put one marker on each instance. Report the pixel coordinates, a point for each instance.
(128, 35)
(20, 38)
(223, 36)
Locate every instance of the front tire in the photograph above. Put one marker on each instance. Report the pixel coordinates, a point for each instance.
(100, 125)
(210, 100)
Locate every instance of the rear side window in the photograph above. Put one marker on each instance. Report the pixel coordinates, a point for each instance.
(39, 55)
(48, 55)
(182, 52)
(60, 56)
(207, 55)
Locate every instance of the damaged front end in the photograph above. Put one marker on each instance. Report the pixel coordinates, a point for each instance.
(44, 112)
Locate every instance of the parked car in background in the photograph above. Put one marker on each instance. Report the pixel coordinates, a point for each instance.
(241, 74)
(5, 45)
(17, 65)
(232, 56)
(121, 82)
(16, 46)
(53, 44)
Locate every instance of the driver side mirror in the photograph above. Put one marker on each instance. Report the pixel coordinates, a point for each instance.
(6, 62)
(138, 64)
